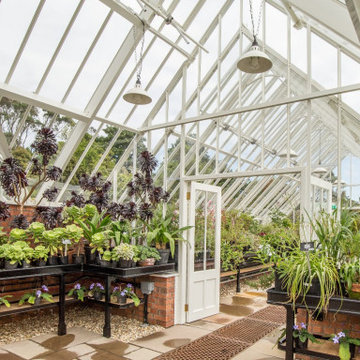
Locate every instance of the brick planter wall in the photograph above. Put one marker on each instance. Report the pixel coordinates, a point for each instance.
(332, 324)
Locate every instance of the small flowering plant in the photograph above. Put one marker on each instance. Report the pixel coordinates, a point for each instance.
(78, 291)
(344, 340)
(96, 288)
(36, 296)
(301, 332)
(128, 291)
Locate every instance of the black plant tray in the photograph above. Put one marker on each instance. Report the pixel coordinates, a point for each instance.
(39, 271)
(129, 272)
(18, 309)
(336, 304)
(114, 305)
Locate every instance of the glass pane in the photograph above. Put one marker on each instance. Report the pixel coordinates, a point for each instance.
(200, 234)
(210, 231)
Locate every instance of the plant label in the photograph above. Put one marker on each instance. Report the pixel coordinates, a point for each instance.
(307, 246)
(66, 242)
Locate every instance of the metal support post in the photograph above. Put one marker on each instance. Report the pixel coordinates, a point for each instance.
(238, 289)
(289, 332)
(107, 325)
(62, 324)
(146, 309)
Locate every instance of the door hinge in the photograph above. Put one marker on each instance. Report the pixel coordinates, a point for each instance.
(188, 196)
(186, 307)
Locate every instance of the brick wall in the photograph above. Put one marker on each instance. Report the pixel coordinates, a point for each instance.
(331, 324)
(28, 212)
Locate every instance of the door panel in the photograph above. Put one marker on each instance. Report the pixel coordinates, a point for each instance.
(204, 251)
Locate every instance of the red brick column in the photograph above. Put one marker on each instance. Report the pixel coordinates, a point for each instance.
(161, 303)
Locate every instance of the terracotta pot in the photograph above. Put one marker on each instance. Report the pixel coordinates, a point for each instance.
(355, 287)
(147, 262)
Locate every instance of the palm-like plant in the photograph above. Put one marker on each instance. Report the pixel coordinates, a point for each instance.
(162, 232)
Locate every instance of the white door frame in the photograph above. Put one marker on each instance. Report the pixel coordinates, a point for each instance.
(203, 286)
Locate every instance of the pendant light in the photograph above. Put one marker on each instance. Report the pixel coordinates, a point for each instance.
(138, 95)
(283, 154)
(320, 170)
(254, 61)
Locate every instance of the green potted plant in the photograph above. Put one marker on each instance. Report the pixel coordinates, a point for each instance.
(35, 230)
(78, 292)
(14, 254)
(161, 232)
(41, 254)
(312, 273)
(350, 276)
(52, 240)
(100, 243)
(124, 254)
(28, 253)
(96, 290)
(35, 297)
(147, 255)
(4, 300)
(344, 340)
(74, 234)
(17, 235)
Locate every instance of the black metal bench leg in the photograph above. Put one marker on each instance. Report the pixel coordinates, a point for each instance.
(107, 325)
(62, 324)
(238, 289)
(289, 333)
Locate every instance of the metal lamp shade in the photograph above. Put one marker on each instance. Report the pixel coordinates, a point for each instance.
(283, 154)
(254, 61)
(320, 170)
(137, 95)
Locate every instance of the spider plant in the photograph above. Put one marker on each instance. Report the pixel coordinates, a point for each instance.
(300, 270)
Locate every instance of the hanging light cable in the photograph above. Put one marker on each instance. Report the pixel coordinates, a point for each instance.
(255, 61)
(138, 95)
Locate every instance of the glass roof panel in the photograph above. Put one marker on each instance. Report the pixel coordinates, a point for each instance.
(13, 29)
(99, 60)
(42, 43)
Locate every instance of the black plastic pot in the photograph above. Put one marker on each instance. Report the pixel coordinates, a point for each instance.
(90, 258)
(125, 263)
(121, 299)
(113, 264)
(63, 260)
(278, 282)
(53, 260)
(164, 253)
(40, 262)
(9, 266)
(314, 287)
(25, 265)
(105, 263)
(98, 296)
(2, 263)
(78, 259)
(301, 345)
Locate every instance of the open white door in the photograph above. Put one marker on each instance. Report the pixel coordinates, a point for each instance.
(203, 282)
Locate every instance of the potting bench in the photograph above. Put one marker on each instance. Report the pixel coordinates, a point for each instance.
(337, 305)
(61, 271)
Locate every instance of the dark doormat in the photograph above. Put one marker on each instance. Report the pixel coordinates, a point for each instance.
(226, 342)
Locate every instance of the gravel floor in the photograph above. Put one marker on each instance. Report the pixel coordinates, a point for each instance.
(123, 329)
